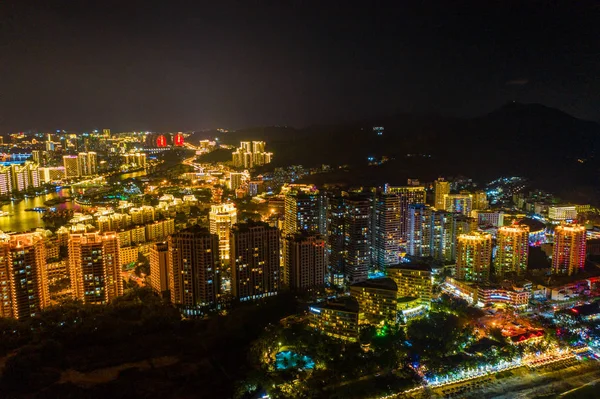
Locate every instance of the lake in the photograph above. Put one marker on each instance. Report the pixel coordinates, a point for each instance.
(20, 220)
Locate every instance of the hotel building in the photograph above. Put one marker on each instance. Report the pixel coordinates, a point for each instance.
(568, 254)
(473, 257)
(337, 318)
(377, 300)
(512, 250)
(413, 280)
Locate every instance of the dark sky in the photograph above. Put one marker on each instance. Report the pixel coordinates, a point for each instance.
(192, 65)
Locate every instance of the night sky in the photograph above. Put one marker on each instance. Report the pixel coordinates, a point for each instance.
(184, 66)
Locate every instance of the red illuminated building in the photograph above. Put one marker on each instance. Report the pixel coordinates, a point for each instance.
(179, 140)
(161, 141)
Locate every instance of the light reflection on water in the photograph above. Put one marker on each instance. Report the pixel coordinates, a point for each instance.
(20, 220)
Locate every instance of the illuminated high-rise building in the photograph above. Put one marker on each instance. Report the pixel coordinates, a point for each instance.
(178, 140)
(24, 176)
(480, 201)
(473, 257)
(36, 156)
(304, 210)
(431, 233)
(254, 260)
(462, 203)
(137, 159)
(250, 154)
(71, 164)
(95, 267)
(441, 188)
(161, 141)
(407, 195)
(159, 268)
(49, 174)
(83, 164)
(488, 217)
(93, 163)
(6, 180)
(350, 237)
(222, 217)
(235, 180)
(419, 232)
(258, 147)
(305, 265)
(568, 255)
(512, 250)
(386, 230)
(23, 277)
(246, 146)
(194, 269)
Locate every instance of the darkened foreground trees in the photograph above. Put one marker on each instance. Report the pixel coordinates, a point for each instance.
(209, 354)
(375, 366)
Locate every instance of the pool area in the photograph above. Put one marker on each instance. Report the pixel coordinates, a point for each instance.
(289, 359)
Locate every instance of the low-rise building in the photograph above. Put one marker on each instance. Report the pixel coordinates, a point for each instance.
(337, 319)
(487, 294)
(377, 300)
(410, 308)
(128, 255)
(413, 280)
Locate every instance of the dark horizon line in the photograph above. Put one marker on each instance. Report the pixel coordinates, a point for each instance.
(353, 122)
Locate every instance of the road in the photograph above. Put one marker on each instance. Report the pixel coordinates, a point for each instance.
(524, 383)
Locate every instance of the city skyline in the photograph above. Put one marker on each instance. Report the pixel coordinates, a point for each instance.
(431, 229)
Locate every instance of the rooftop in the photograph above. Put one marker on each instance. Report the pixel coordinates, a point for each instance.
(382, 283)
(406, 299)
(411, 266)
(345, 304)
(250, 224)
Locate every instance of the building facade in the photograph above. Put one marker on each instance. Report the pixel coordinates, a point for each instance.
(462, 203)
(254, 260)
(386, 230)
(338, 319)
(473, 257)
(441, 188)
(23, 276)
(95, 267)
(407, 195)
(568, 254)
(413, 280)
(193, 264)
(377, 300)
(512, 250)
(350, 237)
(305, 263)
(221, 218)
(159, 268)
